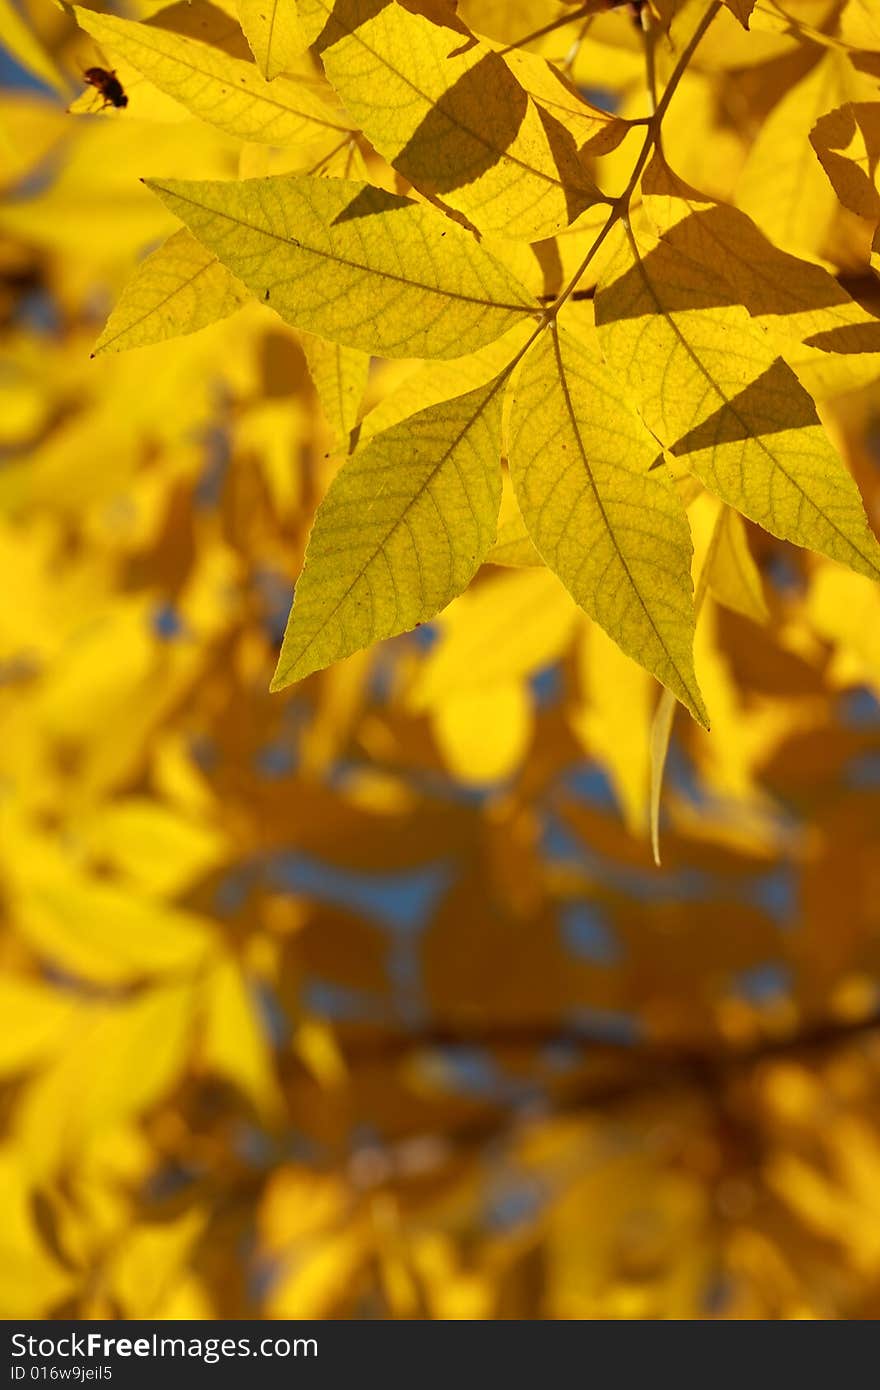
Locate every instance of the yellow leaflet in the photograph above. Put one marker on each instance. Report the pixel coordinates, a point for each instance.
(726, 46)
(709, 386)
(595, 131)
(845, 610)
(847, 142)
(354, 264)
(513, 544)
(18, 38)
(156, 849)
(234, 1042)
(93, 929)
(608, 523)
(340, 376)
(614, 720)
(827, 338)
(222, 90)
(94, 213)
(782, 186)
(503, 629)
(144, 1272)
(273, 31)
(483, 733)
(131, 1051)
(860, 25)
(36, 1020)
(406, 524)
(33, 1282)
(30, 125)
(447, 112)
(179, 289)
(661, 732)
(733, 576)
(510, 20)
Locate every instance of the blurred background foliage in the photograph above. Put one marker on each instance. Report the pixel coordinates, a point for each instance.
(366, 999)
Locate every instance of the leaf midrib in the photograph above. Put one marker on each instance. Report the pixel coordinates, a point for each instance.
(134, 37)
(459, 125)
(722, 395)
(392, 530)
(696, 703)
(522, 308)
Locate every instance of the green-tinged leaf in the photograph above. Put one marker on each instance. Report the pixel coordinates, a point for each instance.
(179, 289)
(710, 387)
(222, 90)
(608, 524)
(340, 376)
(448, 113)
(354, 264)
(406, 524)
(273, 31)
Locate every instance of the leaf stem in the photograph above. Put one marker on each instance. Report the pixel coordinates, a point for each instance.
(620, 206)
(561, 22)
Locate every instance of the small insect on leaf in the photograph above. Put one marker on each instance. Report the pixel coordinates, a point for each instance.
(109, 86)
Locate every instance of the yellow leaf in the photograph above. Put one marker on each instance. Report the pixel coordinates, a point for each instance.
(132, 1052)
(147, 1266)
(829, 340)
(179, 289)
(418, 88)
(220, 89)
(505, 628)
(315, 1043)
(340, 376)
(845, 610)
(36, 1020)
(782, 186)
(483, 733)
(661, 732)
(273, 31)
(354, 264)
(615, 720)
(157, 850)
(407, 522)
(234, 1041)
(92, 929)
(32, 1281)
(733, 577)
(601, 516)
(30, 125)
(710, 387)
(19, 39)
